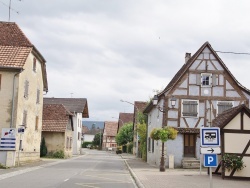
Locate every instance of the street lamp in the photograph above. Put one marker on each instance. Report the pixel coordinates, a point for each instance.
(163, 110)
(136, 148)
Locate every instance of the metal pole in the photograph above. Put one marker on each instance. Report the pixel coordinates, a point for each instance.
(162, 165)
(211, 182)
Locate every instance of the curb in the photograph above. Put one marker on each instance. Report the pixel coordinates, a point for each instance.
(136, 179)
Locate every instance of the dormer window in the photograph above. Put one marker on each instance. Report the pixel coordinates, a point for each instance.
(206, 80)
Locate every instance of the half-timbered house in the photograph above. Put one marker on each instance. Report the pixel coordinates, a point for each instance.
(203, 88)
(234, 127)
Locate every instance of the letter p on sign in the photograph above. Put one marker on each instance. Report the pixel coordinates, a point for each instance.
(210, 160)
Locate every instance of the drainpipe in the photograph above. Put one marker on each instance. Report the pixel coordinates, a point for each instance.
(13, 97)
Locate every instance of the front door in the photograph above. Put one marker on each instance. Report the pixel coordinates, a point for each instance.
(189, 145)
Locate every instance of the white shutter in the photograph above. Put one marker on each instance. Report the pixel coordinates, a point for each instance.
(214, 80)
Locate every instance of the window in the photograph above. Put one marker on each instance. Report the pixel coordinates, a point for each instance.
(37, 96)
(153, 146)
(206, 80)
(0, 80)
(26, 89)
(67, 143)
(24, 118)
(223, 105)
(149, 143)
(79, 136)
(36, 127)
(189, 108)
(34, 64)
(70, 143)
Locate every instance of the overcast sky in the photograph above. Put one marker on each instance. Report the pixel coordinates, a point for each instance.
(107, 50)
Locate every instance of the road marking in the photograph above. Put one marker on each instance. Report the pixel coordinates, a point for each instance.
(66, 179)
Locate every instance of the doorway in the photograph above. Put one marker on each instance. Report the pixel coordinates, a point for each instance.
(189, 145)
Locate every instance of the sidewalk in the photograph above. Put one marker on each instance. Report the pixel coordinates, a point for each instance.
(150, 177)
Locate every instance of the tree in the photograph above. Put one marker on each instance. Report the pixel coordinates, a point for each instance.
(125, 134)
(142, 133)
(164, 134)
(97, 140)
(43, 148)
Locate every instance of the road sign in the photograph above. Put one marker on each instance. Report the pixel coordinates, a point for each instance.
(210, 160)
(8, 139)
(210, 137)
(211, 150)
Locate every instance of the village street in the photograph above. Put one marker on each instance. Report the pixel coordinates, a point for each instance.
(95, 169)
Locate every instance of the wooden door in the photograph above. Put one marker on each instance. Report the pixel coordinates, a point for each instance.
(189, 145)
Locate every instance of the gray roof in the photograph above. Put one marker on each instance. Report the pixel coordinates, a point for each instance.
(78, 105)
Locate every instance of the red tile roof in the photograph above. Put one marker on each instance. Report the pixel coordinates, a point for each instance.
(15, 48)
(55, 118)
(110, 128)
(125, 118)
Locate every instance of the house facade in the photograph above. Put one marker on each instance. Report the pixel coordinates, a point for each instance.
(109, 133)
(58, 129)
(23, 80)
(202, 89)
(78, 107)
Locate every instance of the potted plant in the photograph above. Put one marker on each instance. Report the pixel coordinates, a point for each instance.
(232, 161)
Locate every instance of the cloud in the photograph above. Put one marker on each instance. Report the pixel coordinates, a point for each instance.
(111, 50)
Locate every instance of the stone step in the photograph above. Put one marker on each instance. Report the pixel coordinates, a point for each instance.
(190, 163)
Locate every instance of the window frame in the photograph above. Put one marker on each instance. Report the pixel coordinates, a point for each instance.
(182, 108)
(26, 89)
(210, 76)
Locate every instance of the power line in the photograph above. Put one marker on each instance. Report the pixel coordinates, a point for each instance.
(236, 53)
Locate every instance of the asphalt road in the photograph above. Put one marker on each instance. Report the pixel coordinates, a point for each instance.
(96, 169)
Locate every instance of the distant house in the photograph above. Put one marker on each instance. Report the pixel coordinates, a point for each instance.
(109, 133)
(23, 80)
(124, 118)
(89, 135)
(79, 108)
(201, 90)
(58, 128)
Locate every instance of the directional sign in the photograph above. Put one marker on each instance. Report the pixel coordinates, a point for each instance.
(210, 137)
(210, 160)
(209, 150)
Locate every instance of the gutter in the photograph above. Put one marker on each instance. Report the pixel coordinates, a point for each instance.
(13, 97)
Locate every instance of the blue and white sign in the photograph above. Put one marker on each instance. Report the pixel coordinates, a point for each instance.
(8, 139)
(210, 160)
(210, 137)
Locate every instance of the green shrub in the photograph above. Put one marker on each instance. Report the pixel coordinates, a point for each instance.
(58, 154)
(85, 144)
(232, 161)
(130, 147)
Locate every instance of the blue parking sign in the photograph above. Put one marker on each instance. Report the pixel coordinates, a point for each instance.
(210, 160)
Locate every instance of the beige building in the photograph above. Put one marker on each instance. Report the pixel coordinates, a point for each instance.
(22, 83)
(57, 129)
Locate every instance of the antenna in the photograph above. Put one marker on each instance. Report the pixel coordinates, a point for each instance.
(10, 8)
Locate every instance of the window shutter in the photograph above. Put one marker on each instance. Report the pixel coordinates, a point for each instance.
(223, 106)
(214, 80)
(38, 96)
(26, 89)
(198, 79)
(190, 108)
(36, 128)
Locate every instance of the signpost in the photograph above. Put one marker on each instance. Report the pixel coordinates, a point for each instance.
(210, 147)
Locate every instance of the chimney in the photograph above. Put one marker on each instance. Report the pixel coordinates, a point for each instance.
(187, 57)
